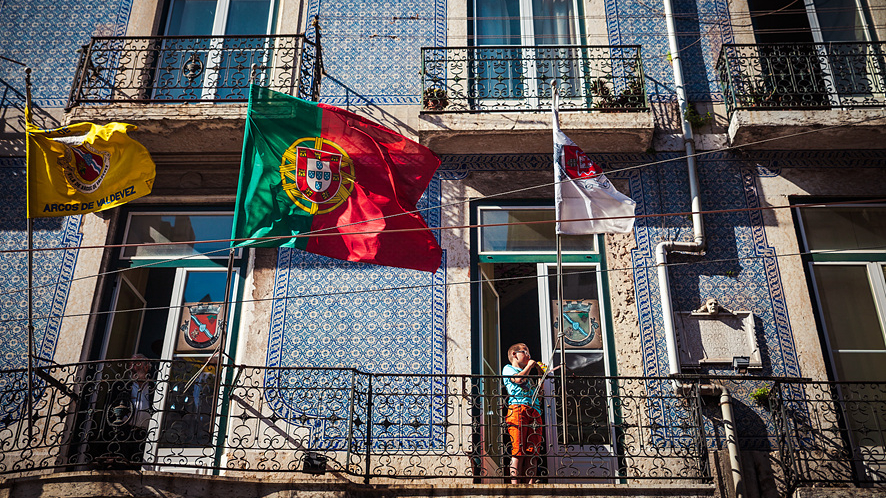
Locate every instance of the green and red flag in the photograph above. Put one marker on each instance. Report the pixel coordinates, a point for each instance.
(349, 183)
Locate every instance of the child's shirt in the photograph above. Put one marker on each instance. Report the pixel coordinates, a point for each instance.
(519, 394)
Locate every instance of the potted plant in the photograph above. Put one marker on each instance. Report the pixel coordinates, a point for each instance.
(435, 99)
(760, 396)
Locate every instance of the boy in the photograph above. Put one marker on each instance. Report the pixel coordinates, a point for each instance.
(524, 415)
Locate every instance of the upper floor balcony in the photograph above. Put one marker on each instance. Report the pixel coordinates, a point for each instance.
(774, 91)
(164, 83)
(471, 96)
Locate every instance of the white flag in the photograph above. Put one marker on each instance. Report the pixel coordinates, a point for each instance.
(582, 190)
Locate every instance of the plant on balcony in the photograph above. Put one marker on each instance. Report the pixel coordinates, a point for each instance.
(435, 99)
(695, 119)
(760, 396)
(630, 98)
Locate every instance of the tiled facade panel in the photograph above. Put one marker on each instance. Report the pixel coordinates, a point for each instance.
(703, 26)
(46, 35)
(52, 271)
(373, 49)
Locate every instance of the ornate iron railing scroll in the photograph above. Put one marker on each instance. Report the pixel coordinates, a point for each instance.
(161, 69)
(376, 427)
(514, 78)
(803, 76)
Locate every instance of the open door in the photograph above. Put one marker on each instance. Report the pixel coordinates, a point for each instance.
(184, 425)
(586, 448)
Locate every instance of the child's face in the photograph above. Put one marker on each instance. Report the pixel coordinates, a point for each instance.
(522, 356)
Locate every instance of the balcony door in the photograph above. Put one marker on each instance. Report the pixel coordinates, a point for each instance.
(166, 304)
(840, 69)
(522, 51)
(518, 304)
(196, 64)
(846, 265)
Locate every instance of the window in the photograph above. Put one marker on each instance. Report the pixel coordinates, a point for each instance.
(517, 302)
(210, 67)
(850, 286)
(167, 304)
(522, 50)
(840, 68)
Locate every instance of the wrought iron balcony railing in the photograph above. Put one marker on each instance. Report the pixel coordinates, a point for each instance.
(160, 69)
(252, 419)
(514, 78)
(803, 76)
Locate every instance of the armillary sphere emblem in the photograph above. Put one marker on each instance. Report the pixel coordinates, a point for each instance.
(192, 67)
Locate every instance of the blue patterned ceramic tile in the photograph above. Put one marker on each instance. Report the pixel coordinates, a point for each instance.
(53, 271)
(702, 27)
(335, 314)
(46, 34)
(372, 50)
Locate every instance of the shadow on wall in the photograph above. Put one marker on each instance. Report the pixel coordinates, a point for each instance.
(12, 109)
(371, 110)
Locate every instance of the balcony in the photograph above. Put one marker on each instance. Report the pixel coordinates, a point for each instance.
(370, 428)
(774, 91)
(473, 96)
(165, 84)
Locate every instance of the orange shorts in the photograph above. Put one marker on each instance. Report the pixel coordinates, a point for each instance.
(524, 427)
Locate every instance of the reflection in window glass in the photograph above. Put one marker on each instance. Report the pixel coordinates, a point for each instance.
(531, 237)
(848, 228)
(587, 414)
(159, 228)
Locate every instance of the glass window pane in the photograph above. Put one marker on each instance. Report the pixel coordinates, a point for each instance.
(248, 17)
(498, 22)
(587, 414)
(581, 305)
(847, 303)
(159, 228)
(840, 20)
(554, 22)
(533, 237)
(860, 367)
(188, 414)
(191, 18)
(847, 228)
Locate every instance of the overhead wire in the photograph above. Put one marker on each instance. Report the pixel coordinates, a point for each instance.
(351, 292)
(440, 206)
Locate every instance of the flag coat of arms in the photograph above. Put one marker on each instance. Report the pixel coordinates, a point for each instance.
(83, 168)
(582, 191)
(352, 184)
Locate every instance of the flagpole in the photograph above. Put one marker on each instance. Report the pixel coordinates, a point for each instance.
(224, 333)
(30, 260)
(560, 338)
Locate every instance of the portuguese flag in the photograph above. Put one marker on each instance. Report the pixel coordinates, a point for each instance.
(349, 183)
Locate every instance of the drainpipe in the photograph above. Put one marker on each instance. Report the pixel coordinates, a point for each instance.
(696, 246)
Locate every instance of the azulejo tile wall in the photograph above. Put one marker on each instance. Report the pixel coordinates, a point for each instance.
(53, 271)
(46, 34)
(372, 50)
(702, 27)
(330, 314)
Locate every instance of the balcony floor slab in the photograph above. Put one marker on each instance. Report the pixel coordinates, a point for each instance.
(530, 132)
(819, 129)
(110, 484)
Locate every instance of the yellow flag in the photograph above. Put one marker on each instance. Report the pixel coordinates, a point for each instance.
(83, 168)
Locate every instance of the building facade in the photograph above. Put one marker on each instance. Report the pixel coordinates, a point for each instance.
(768, 119)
